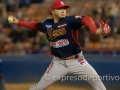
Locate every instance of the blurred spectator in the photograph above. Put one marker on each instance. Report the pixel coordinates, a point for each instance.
(24, 3)
(37, 1)
(17, 35)
(113, 11)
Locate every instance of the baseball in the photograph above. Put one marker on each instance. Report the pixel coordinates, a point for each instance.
(10, 19)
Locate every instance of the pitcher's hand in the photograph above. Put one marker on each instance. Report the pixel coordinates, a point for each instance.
(12, 20)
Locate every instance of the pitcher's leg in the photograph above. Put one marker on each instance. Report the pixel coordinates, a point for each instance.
(55, 69)
(93, 78)
(83, 69)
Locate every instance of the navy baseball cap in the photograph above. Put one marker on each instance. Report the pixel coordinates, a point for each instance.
(58, 4)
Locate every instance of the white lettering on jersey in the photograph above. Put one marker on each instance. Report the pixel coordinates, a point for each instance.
(63, 25)
(60, 43)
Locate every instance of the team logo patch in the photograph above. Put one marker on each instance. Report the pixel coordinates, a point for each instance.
(60, 43)
(78, 17)
(48, 26)
(52, 34)
(63, 25)
(82, 62)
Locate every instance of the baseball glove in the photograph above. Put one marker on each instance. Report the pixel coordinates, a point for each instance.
(105, 28)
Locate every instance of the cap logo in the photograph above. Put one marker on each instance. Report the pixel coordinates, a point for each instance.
(62, 2)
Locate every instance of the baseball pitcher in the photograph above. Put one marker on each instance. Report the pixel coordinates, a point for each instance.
(62, 34)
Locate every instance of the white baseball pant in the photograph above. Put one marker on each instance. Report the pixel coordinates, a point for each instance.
(58, 69)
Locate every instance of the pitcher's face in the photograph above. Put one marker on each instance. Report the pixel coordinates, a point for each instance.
(59, 13)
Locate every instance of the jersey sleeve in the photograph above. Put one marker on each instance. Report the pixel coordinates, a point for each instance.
(41, 27)
(76, 22)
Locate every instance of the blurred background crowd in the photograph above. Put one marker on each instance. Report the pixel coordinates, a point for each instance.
(15, 39)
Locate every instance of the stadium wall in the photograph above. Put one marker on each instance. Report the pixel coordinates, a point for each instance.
(30, 68)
